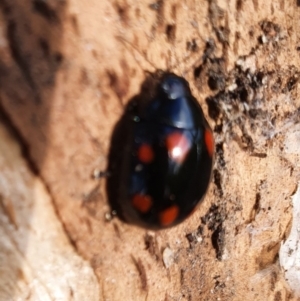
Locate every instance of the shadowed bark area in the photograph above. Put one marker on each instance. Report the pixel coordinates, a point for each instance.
(67, 72)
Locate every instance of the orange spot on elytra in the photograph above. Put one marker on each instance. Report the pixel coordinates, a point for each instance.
(209, 142)
(145, 153)
(142, 203)
(169, 215)
(178, 146)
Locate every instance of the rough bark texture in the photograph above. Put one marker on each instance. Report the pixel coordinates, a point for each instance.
(67, 69)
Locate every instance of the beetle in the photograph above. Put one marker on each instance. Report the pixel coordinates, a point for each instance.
(161, 155)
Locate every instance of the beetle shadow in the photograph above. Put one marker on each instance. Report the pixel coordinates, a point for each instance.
(120, 138)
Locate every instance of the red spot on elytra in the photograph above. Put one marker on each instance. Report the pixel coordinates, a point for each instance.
(142, 203)
(178, 146)
(209, 142)
(168, 216)
(145, 153)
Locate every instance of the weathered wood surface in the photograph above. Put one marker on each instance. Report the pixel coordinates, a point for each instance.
(67, 69)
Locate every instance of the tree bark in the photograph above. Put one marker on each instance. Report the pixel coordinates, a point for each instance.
(67, 71)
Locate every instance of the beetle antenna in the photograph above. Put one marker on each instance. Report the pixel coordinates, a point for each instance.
(189, 60)
(198, 50)
(129, 45)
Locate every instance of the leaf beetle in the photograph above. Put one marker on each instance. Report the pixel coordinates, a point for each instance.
(161, 155)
